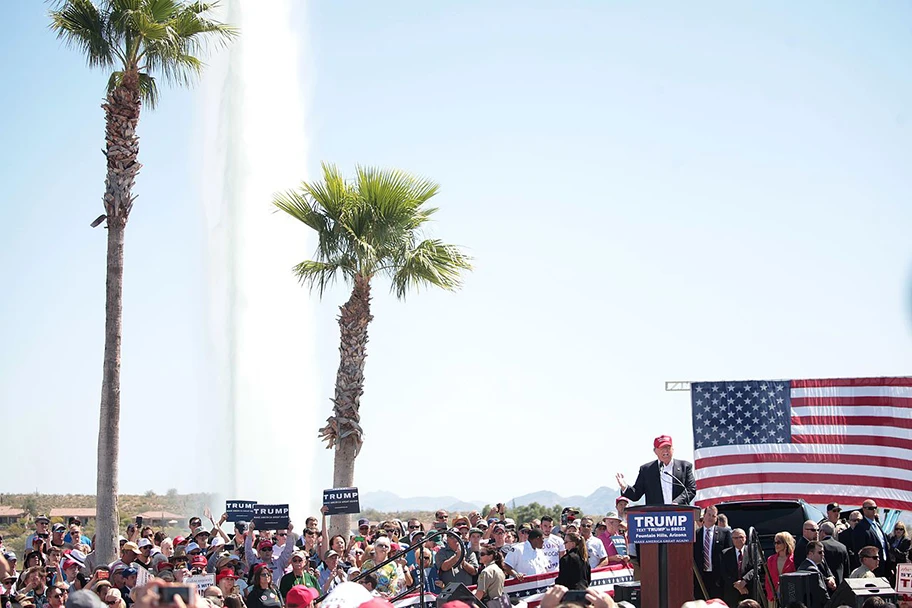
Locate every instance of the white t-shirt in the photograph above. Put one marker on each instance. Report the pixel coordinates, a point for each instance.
(552, 548)
(596, 550)
(526, 559)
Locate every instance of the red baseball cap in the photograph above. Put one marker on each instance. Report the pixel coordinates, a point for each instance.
(301, 595)
(661, 440)
(227, 573)
(200, 561)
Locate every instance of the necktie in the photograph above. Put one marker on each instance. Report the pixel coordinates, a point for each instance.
(740, 558)
(707, 550)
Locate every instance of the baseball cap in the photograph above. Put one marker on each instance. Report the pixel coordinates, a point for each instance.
(128, 572)
(612, 515)
(329, 553)
(661, 440)
(180, 540)
(164, 565)
(58, 528)
(129, 546)
(69, 563)
(263, 546)
(363, 522)
(300, 595)
(621, 499)
(42, 519)
(144, 542)
(833, 506)
(10, 555)
(199, 562)
(201, 531)
(225, 573)
(192, 547)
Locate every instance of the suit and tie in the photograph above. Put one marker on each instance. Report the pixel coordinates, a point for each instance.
(820, 594)
(707, 549)
(680, 478)
(848, 540)
(737, 565)
(868, 533)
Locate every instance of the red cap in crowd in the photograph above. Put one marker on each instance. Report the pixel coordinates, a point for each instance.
(300, 596)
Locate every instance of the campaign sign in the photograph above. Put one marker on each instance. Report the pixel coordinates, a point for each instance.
(904, 578)
(202, 582)
(660, 527)
(341, 500)
(239, 510)
(270, 517)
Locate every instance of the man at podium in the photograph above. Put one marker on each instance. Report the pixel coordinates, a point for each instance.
(664, 481)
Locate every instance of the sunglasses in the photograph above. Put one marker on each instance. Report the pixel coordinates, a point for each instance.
(387, 547)
(877, 557)
(282, 534)
(778, 542)
(869, 508)
(414, 527)
(112, 602)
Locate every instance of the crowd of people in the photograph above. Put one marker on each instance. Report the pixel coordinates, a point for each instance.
(270, 568)
(251, 568)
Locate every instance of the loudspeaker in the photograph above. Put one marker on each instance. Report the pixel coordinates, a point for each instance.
(854, 591)
(796, 587)
(458, 591)
(627, 592)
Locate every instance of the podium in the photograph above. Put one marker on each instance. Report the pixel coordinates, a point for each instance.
(664, 535)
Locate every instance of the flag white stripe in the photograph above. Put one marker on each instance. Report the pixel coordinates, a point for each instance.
(803, 448)
(806, 491)
(853, 391)
(849, 412)
(850, 429)
(803, 467)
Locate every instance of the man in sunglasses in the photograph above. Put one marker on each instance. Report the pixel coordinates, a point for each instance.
(870, 559)
(820, 591)
(869, 533)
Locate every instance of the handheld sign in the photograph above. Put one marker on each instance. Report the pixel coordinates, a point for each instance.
(904, 578)
(341, 500)
(657, 527)
(270, 517)
(239, 510)
(202, 582)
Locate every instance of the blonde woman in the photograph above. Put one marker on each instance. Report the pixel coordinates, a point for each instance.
(779, 563)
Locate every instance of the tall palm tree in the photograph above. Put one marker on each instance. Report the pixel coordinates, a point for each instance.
(137, 40)
(368, 227)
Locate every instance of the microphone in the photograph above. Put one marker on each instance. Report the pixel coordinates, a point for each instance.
(664, 472)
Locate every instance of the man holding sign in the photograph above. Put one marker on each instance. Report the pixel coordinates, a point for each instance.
(264, 553)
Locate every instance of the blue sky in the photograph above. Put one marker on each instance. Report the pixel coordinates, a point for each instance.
(651, 193)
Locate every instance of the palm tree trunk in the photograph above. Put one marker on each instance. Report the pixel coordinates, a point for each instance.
(121, 148)
(353, 321)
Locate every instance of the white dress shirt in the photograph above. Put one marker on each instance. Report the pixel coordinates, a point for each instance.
(667, 481)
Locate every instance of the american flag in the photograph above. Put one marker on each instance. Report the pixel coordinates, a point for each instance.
(840, 440)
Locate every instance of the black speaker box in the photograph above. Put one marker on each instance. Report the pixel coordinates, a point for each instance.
(458, 591)
(796, 587)
(627, 592)
(854, 591)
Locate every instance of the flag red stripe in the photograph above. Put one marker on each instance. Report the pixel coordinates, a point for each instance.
(845, 459)
(815, 499)
(852, 401)
(806, 478)
(836, 440)
(889, 421)
(899, 381)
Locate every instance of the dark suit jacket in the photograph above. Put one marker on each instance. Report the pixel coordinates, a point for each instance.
(820, 595)
(731, 575)
(847, 539)
(801, 550)
(722, 540)
(864, 535)
(649, 483)
(836, 557)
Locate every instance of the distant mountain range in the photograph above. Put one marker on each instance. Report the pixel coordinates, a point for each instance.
(600, 501)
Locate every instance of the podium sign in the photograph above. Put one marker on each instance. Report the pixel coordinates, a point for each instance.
(651, 527)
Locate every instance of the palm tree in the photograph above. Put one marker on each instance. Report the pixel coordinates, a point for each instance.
(137, 40)
(367, 227)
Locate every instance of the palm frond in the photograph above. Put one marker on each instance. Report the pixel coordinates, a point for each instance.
(79, 24)
(431, 262)
(320, 276)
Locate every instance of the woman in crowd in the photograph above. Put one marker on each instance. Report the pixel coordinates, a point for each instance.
(263, 593)
(900, 543)
(779, 563)
(114, 599)
(574, 571)
(387, 576)
(491, 579)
